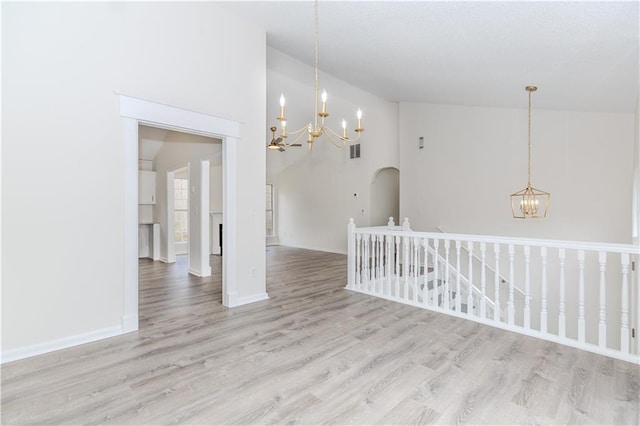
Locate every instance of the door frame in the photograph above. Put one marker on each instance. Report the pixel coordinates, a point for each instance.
(136, 111)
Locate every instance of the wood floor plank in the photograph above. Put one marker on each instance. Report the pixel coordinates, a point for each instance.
(313, 353)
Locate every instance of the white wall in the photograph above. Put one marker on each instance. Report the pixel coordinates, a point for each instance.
(314, 190)
(474, 158)
(63, 151)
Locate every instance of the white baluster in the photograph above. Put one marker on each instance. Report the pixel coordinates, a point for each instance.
(512, 306)
(458, 294)
(602, 323)
(405, 266)
(447, 293)
(543, 302)
(562, 319)
(388, 240)
(496, 283)
(379, 239)
(397, 274)
(436, 272)
(358, 260)
(470, 278)
(624, 308)
(581, 324)
(483, 280)
(425, 276)
(365, 261)
(416, 269)
(527, 288)
(351, 255)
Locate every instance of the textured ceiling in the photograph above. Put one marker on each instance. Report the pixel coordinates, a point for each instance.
(582, 55)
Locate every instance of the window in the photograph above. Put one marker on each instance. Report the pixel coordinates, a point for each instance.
(181, 209)
(269, 215)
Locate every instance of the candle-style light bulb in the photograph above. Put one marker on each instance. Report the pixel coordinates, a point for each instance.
(359, 116)
(282, 102)
(323, 97)
(344, 129)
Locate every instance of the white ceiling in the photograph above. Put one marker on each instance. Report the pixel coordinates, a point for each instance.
(582, 55)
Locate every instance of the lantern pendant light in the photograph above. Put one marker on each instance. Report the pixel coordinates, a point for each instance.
(529, 203)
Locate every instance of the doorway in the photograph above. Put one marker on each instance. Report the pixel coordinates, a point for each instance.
(135, 111)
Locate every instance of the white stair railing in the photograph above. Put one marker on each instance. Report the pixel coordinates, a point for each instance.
(495, 270)
(576, 294)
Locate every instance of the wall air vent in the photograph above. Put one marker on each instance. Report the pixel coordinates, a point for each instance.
(354, 151)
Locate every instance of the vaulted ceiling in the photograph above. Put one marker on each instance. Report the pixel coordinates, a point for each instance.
(582, 55)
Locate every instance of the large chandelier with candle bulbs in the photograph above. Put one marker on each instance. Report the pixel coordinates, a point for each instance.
(316, 127)
(529, 203)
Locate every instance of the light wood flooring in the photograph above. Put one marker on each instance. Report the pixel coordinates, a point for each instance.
(314, 353)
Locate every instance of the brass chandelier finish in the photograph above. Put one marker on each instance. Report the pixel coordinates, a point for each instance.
(530, 203)
(316, 127)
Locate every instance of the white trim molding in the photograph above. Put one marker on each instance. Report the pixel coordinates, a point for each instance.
(234, 300)
(62, 343)
(136, 111)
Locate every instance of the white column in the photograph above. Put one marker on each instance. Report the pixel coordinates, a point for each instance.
(130, 249)
(229, 208)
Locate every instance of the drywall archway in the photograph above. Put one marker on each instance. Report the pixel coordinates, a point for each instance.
(385, 196)
(134, 112)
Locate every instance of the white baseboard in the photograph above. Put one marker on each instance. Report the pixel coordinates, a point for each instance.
(63, 343)
(324, 249)
(129, 323)
(199, 273)
(245, 300)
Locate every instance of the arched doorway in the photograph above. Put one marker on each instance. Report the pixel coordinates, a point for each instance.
(385, 196)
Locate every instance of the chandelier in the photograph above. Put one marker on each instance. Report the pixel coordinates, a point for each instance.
(316, 127)
(528, 202)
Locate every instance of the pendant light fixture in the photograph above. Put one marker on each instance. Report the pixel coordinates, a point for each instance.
(316, 126)
(529, 203)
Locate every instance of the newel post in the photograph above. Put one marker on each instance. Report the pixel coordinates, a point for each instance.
(351, 254)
